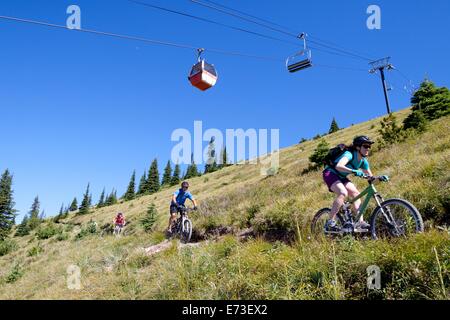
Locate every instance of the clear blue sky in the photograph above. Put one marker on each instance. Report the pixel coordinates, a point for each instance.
(78, 108)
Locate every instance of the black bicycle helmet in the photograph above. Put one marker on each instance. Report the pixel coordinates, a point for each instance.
(360, 140)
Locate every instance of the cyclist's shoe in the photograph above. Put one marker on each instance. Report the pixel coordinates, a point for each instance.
(362, 226)
(331, 227)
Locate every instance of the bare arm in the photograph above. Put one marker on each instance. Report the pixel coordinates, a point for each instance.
(341, 165)
(174, 199)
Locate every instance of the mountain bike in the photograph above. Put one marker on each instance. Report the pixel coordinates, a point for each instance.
(183, 225)
(391, 218)
(118, 230)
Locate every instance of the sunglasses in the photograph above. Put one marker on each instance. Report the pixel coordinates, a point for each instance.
(366, 146)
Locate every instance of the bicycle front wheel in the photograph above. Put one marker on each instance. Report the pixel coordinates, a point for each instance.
(186, 230)
(395, 218)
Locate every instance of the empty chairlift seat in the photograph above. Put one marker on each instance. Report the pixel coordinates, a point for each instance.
(203, 75)
(301, 60)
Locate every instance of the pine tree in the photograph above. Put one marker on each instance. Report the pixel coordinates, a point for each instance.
(334, 126)
(192, 170)
(149, 219)
(142, 185)
(7, 211)
(74, 205)
(167, 176)
(84, 207)
(101, 201)
(176, 177)
(416, 120)
(211, 163)
(42, 216)
(112, 198)
(320, 153)
(23, 228)
(433, 101)
(60, 214)
(224, 157)
(34, 219)
(90, 200)
(153, 178)
(390, 132)
(130, 194)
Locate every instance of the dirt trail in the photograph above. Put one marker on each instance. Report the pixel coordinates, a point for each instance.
(166, 244)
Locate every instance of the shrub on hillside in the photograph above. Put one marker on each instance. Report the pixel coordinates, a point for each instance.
(149, 219)
(319, 154)
(416, 121)
(34, 251)
(15, 274)
(277, 223)
(391, 133)
(90, 229)
(7, 246)
(63, 236)
(47, 231)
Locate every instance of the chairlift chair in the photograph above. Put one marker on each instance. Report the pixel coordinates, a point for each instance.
(301, 60)
(203, 75)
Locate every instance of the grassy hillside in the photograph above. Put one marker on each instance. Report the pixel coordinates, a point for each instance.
(280, 261)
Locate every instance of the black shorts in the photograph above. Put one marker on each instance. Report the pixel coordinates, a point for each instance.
(173, 209)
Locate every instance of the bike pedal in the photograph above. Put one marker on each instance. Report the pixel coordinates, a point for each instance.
(361, 230)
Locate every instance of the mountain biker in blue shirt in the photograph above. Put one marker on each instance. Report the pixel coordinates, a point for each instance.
(179, 197)
(354, 162)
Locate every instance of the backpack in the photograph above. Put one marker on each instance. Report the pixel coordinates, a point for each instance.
(335, 153)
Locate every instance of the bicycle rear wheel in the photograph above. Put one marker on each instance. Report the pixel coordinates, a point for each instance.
(320, 219)
(395, 218)
(186, 230)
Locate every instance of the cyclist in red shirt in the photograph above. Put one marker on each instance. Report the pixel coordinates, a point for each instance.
(119, 223)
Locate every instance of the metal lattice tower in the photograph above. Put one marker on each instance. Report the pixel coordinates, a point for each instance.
(381, 65)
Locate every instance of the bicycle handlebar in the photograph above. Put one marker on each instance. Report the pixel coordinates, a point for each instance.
(375, 178)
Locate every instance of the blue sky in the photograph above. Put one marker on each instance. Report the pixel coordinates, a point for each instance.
(79, 108)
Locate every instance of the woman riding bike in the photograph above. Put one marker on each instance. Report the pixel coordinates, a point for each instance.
(353, 161)
(178, 199)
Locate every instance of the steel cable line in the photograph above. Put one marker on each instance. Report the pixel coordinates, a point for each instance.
(154, 42)
(134, 38)
(146, 4)
(331, 46)
(149, 5)
(338, 67)
(251, 16)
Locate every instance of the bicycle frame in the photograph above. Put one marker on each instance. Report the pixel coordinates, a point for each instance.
(370, 192)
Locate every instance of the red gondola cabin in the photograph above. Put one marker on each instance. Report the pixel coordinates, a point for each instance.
(203, 75)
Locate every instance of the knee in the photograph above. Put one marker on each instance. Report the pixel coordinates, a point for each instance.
(343, 194)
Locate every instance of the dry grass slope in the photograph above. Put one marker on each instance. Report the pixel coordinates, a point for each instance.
(238, 197)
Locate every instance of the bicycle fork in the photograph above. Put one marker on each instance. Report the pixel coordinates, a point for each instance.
(387, 214)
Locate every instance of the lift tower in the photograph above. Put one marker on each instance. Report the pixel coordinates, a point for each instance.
(381, 65)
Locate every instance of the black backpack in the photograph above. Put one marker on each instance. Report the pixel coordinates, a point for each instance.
(335, 153)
